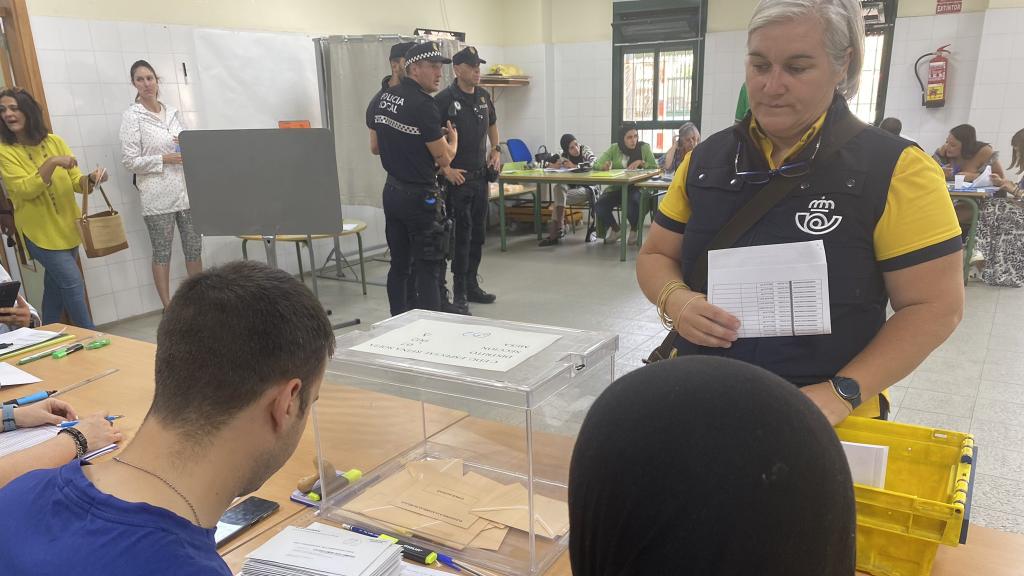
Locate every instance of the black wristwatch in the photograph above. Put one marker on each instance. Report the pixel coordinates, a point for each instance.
(848, 389)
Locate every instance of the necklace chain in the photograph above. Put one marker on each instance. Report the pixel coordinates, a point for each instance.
(169, 485)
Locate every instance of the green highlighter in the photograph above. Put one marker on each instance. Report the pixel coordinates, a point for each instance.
(97, 344)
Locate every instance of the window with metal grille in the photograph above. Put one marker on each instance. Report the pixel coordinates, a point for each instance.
(658, 62)
(879, 25)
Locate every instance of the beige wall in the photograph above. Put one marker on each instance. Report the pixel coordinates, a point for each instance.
(589, 21)
(475, 17)
(927, 7)
(726, 15)
(1006, 3)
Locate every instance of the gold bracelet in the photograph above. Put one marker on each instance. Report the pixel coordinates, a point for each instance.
(683, 309)
(662, 301)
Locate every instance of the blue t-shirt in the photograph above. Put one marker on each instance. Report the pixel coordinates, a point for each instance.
(56, 522)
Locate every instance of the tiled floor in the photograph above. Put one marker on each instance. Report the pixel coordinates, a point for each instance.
(975, 381)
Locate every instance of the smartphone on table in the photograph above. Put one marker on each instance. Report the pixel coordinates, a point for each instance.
(241, 516)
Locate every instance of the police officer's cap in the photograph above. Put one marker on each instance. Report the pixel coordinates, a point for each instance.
(398, 50)
(468, 55)
(428, 51)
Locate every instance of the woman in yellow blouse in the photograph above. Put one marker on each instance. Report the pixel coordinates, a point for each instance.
(42, 177)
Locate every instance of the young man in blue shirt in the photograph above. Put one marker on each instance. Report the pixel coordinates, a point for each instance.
(241, 352)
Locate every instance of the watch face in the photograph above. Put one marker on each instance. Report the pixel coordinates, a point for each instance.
(847, 387)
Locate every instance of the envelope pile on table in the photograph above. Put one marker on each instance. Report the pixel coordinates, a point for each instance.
(437, 500)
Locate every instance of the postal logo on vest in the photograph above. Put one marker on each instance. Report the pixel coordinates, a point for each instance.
(818, 220)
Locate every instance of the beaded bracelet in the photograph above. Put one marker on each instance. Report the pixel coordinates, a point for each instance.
(81, 444)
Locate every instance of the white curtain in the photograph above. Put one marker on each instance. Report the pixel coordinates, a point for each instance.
(351, 75)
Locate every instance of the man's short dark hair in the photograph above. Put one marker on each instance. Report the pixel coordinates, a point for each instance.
(227, 336)
(892, 125)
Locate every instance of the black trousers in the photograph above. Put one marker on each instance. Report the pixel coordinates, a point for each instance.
(411, 227)
(467, 205)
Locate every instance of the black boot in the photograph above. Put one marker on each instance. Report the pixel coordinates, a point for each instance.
(474, 293)
(458, 304)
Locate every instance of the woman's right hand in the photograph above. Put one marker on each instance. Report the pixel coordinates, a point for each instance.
(606, 166)
(948, 171)
(65, 162)
(174, 158)
(701, 322)
(99, 432)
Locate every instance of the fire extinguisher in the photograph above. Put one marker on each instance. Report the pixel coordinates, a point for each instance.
(934, 95)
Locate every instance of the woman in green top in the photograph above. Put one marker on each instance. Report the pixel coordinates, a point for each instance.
(42, 177)
(630, 153)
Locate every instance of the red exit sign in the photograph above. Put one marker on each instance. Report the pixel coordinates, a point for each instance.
(949, 6)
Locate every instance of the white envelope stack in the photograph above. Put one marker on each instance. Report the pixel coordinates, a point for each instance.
(316, 551)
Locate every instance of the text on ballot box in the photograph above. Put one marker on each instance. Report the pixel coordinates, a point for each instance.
(774, 290)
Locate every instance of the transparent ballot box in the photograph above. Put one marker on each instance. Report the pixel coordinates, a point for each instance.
(481, 417)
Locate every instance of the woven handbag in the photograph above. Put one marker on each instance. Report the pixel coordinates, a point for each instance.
(103, 232)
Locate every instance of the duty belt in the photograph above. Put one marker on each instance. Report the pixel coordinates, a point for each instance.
(410, 186)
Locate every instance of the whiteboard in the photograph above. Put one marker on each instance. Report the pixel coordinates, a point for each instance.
(255, 79)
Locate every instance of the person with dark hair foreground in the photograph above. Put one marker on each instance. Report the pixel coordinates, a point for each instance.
(711, 466)
(241, 352)
(42, 176)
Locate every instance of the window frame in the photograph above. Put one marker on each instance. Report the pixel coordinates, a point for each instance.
(621, 48)
(888, 31)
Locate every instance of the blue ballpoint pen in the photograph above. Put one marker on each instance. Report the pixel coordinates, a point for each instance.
(71, 423)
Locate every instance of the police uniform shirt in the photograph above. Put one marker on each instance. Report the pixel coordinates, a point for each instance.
(880, 205)
(405, 119)
(472, 115)
(371, 108)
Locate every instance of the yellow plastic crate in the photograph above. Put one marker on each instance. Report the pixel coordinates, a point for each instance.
(925, 501)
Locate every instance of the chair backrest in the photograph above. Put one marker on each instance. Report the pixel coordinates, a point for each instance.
(518, 150)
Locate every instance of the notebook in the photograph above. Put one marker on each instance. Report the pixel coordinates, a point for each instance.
(22, 438)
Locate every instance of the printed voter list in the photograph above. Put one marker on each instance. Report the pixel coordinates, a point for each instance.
(465, 345)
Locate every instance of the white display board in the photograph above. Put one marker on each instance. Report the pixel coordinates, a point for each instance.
(255, 79)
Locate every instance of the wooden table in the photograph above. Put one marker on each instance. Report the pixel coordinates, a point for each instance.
(387, 425)
(624, 179)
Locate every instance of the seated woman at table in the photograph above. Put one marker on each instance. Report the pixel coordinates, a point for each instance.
(964, 154)
(628, 153)
(21, 315)
(682, 143)
(999, 247)
(710, 464)
(58, 451)
(571, 156)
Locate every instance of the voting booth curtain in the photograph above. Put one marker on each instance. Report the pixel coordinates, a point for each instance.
(350, 71)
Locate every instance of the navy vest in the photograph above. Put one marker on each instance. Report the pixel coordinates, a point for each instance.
(839, 202)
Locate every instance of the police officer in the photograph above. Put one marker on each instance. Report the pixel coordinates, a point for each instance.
(470, 109)
(409, 137)
(396, 59)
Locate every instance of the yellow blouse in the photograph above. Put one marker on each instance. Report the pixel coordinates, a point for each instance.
(45, 214)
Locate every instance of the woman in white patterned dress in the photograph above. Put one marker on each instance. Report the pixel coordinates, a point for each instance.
(1001, 226)
(149, 149)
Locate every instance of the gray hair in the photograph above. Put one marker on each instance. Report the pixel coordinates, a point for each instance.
(687, 128)
(844, 30)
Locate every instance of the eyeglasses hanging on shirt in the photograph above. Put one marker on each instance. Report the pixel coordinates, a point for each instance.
(791, 170)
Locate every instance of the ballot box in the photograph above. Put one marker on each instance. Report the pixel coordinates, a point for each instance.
(490, 489)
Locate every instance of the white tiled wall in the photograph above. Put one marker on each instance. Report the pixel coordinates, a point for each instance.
(85, 65)
(583, 94)
(997, 110)
(915, 37)
(724, 54)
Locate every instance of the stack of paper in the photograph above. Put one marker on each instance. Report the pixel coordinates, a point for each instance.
(22, 438)
(11, 376)
(321, 552)
(434, 499)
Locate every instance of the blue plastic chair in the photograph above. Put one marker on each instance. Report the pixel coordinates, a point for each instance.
(518, 150)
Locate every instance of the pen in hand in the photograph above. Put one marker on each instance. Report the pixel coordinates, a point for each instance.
(70, 423)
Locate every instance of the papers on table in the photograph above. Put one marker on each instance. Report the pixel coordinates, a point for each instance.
(607, 173)
(984, 179)
(774, 290)
(466, 345)
(558, 169)
(321, 551)
(23, 338)
(434, 499)
(22, 438)
(868, 463)
(348, 227)
(12, 376)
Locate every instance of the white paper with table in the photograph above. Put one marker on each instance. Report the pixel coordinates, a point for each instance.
(466, 345)
(774, 290)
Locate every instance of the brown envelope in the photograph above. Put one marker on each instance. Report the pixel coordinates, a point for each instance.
(508, 506)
